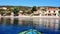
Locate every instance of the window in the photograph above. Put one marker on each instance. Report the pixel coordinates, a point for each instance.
(49, 11)
(54, 11)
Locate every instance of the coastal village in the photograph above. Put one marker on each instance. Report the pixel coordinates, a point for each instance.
(29, 11)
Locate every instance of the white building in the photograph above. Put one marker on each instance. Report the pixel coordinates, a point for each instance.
(50, 11)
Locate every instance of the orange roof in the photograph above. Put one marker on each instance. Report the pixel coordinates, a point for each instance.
(52, 9)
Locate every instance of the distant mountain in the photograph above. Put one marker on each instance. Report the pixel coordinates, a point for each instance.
(23, 8)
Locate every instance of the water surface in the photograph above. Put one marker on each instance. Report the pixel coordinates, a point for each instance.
(17, 25)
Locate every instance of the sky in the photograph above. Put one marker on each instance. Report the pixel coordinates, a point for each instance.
(30, 3)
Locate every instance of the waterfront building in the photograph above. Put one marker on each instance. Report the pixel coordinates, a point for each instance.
(59, 12)
(36, 13)
(4, 8)
(52, 11)
(12, 14)
(41, 11)
(21, 13)
(48, 11)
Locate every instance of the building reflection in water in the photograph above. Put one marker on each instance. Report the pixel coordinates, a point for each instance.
(15, 22)
(44, 22)
(49, 23)
(12, 20)
(25, 21)
(59, 24)
(8, 20)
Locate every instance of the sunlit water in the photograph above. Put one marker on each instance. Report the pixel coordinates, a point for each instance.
(17, 25)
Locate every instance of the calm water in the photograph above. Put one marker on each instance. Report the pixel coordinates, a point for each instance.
(17, 25)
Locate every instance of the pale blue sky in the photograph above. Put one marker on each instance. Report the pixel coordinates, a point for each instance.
(30, 2)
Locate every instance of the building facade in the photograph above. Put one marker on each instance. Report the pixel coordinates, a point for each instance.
(49, 11)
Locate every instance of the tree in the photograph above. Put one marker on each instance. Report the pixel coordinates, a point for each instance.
(59, 12)
(59, 7)
(43, 9)
(15, 11)
(34, 9)
(2, 11)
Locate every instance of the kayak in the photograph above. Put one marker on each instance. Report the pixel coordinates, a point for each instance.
(30, 32)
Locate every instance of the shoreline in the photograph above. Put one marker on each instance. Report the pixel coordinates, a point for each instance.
(30, 16)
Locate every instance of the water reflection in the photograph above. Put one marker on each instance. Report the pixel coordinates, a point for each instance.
(59, 24)
(49, 23)
(53, 24)
(15, 21)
